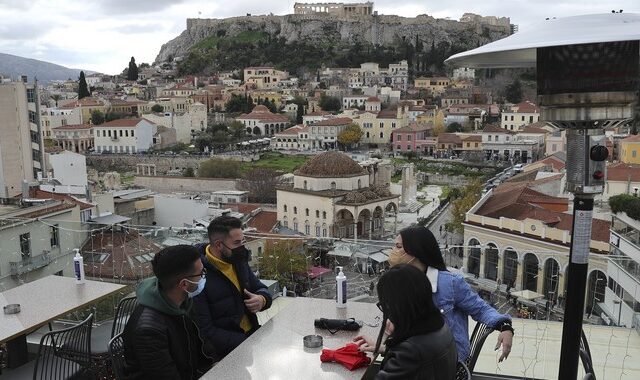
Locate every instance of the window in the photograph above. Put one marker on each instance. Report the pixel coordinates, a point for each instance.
(522, 118)
(399, 147)
(33, 117)
(381, 125)
(306, 212)
(109, 132)
(307, 229)
(285, 208)
(295, 225)
(633, 154)
(318, 231)
(132, 133)
(25, 245)
(54, 236)
(399, 137)
(511, 117)
(408, 137)
(295, 210)
(476, 145)
(317, 213)
(506, 118)
(554, 147)
(381, 135)
(31, 95)
(126, 133)
(305, 185)
(393, 125)
(121, 133)
(333, 185)
(359, 183)
(489, 138)
(324, 215)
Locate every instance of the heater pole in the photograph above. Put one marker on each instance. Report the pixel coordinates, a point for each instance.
(576, 280)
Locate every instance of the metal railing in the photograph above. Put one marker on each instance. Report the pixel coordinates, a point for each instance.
(29, 264)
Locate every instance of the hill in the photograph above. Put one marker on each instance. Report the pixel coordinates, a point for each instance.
(298, 42)
(12, 66)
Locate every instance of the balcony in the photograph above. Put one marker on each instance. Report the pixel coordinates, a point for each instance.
(29, 264)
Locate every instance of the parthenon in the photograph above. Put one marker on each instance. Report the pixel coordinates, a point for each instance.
(337, 9)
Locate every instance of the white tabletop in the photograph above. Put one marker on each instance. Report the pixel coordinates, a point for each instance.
(276, 352)
(46, 299)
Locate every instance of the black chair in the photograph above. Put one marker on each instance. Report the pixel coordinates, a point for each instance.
(123, 312)
(463, 372)
(479, 335)
(56, 361)
(585, 357)
(116, 354)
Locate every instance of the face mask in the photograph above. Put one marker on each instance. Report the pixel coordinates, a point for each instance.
(199, 289)
(399, 256)
(237, 254)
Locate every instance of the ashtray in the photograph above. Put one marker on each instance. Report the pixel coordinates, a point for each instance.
(312, 341)
(13, 308)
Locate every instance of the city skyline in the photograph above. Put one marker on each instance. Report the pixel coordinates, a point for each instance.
(103, 35)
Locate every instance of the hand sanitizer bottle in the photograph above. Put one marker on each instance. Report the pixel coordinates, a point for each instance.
(341, 289)
(78, 266)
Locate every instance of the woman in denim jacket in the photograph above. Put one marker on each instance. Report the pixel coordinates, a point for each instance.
(451, 293)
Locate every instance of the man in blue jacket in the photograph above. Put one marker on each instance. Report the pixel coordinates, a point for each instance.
(226, 309)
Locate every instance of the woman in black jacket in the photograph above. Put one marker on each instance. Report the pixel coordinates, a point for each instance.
(420, 345)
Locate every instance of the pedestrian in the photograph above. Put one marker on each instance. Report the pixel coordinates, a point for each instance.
(371, 287)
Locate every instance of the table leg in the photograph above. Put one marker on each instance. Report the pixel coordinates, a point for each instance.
(17, 353)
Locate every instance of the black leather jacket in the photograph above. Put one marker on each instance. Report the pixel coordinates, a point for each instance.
(162, 346)
(431, 356)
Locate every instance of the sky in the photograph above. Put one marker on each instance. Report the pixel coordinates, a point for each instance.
(102, 35)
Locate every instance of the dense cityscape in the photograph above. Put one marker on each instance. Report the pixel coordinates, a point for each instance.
(324, 157)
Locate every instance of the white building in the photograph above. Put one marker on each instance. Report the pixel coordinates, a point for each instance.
(354, 101)
(519, 115)
(261, 121)
(230, 196)
(294, 138)
(186, 124)
(75, 138)
(264, 77)
(463, 73)
(324, 134)
(502, 144)
(622, 296)
(55, 117)
(69, 168)
(124, 136)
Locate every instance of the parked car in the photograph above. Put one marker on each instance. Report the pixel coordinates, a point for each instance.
(518, 168)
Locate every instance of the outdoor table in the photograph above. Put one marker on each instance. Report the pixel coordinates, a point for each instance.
(276, 350)
(42, 301)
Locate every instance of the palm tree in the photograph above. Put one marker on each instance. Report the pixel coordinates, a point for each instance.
(56, 97)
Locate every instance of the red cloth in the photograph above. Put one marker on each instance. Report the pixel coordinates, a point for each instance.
(349, 356)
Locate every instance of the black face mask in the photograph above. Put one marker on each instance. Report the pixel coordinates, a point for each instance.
(237, 254)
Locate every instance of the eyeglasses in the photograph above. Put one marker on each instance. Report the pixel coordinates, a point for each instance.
(201, 274)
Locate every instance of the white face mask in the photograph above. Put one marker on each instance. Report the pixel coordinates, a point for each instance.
(199, 289)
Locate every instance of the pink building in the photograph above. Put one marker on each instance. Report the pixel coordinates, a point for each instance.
(414, 137)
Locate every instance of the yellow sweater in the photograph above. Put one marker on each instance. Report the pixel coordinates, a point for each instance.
(227, 269)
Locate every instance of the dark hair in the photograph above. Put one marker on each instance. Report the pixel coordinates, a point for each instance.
(419, 242)
(221, 226)
(406, 300)
(173, 263)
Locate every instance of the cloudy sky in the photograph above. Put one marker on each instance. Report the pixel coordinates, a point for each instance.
(102, 35)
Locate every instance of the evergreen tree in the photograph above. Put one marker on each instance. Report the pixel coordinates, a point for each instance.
(132, 74)
(83, 89)
(513, 92)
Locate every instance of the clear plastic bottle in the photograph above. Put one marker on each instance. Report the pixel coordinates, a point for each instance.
(78, 266)
(341, 289)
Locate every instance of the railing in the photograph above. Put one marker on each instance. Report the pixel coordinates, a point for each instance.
(29, 264)
(636, 322)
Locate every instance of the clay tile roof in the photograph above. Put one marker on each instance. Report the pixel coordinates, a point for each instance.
(123, 123)
(623, 172)
(73, 127)
(262, 113)
(554, 161)
(331, 164)
(294, 130)
(41, 194)
(473, 138)
(449, 138)
(492, 128)
(333, 122)
(264, 221)
(414, 127)
(525, 107)
(632, 138)
(532, 129)
(373, 99)
(84, 102)
(318, 113)
(387, 114)
(518, 193)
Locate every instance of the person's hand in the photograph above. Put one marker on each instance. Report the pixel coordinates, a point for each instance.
(254, 302)
(505, 339)
(364, 343)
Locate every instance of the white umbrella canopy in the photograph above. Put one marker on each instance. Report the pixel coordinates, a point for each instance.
(527, 294)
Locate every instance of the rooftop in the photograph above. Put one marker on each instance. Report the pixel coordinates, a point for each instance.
(330, 164)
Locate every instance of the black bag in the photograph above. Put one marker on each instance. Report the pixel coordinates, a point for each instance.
(334, 325)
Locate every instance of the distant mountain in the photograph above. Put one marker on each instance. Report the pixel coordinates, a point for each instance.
(12, 66)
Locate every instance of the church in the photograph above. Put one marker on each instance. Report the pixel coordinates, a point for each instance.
(333, 196)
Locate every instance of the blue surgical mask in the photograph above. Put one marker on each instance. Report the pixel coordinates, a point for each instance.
(199, 289)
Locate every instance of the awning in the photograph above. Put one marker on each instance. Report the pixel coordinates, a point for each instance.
(340, 252)
(110, 219)
(379, 257)
(527, 294)
(315, 272)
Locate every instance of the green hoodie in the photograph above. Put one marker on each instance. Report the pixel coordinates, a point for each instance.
(150, 295)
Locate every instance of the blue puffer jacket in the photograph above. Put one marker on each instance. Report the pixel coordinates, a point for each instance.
(457, 301)
(220, 307)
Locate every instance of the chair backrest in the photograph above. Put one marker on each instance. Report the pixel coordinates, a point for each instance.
(463, 372)
(585, 356)
(116, 354)
(479, 335)
(65, 353)
(123, 311)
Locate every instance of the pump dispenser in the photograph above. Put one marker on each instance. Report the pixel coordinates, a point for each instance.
(341, 289)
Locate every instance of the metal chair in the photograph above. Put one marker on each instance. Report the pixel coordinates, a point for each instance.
(123, 312)
(463, 372)
(479, 335)
(585, 357)
(56, 361)
(116, 354)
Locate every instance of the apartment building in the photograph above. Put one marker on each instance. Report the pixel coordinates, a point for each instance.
(124, 136)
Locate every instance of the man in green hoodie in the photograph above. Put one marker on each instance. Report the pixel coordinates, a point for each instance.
(161, 341)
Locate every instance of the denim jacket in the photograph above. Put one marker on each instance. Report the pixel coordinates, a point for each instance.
(457, 301)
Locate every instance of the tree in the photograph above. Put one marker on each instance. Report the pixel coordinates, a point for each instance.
(454, 127)
(112, 116)
(301, 103)
(285, 262)
(350, 135)
(460, 206)
(83, 89)
(261, 184)
(329, 103)
(237, 130)
(219, 168)
(132, 74)
(411, 155)
(157, 108)
(239, 103)
(97, 117)
(188, 172)
(513, 92)
(55, 98)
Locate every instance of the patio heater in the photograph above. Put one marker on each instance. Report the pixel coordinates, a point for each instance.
(588, 72)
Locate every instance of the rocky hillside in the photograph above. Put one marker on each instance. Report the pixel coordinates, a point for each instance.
(310, 41)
